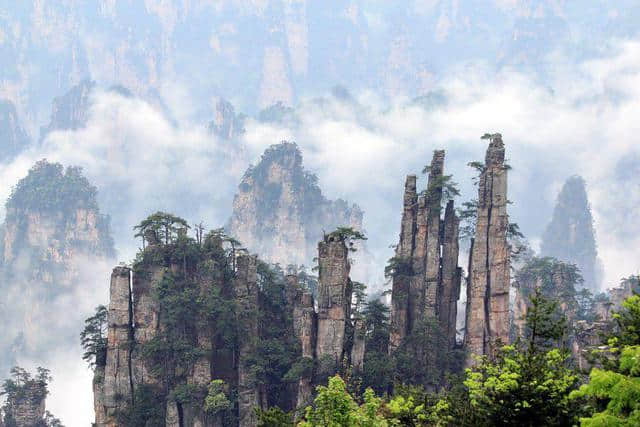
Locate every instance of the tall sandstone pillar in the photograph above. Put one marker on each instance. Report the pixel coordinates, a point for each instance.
(404, 253)
(246, 292)
(451, 275)
(488, 289)
(304, 327)
(115, 393)
(334, 297)
(433, 199)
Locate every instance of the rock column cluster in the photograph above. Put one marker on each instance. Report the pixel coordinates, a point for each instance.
(426, 280)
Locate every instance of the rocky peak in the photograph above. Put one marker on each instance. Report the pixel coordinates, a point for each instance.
(13, 138)
(52, 223)
(71, 110)
(280, 211)
(570, 235)
(226, 124)
(487, 314)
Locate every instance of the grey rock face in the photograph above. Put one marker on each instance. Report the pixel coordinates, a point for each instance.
(246, 291)
(426, 281)
(334, 297)
(488, 288)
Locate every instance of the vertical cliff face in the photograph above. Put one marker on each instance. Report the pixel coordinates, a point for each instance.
(449, 286)
(425, 281)
(334, 298)
(52, 228)
(489, 277)
(13, 138)
(305, 328)
(403, 272)
(246, 292)
(570, 236)
(201, 334)
(280, 212)
(113, 383)
(71, 110)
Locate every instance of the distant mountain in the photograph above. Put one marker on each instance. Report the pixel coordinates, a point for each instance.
(279, 211)
(256, 53)
(52, 232)
(570, 236)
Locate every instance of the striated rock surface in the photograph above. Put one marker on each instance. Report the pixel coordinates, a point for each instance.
(451, 275)
(280, 212)
(246, 291)
(426, 276)
(334, 298)
(305, 328)
(402, 276)
(489, 279)
(570, 236)
(113, 383)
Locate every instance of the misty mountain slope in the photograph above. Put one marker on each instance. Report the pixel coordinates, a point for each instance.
(256, 53)
(70, 111)
(13, 138)
(279, 211)
(570, 235)
(54, 238)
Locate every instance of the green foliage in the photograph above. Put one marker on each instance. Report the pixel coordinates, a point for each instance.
(525, 384)
(398, 266)
(628, 323)
(617, 394)
(377, 372)
(148, 410)
(49, 187)
(278, 349)
(424, 357)
(93, 338)
(347, 235)
(161, 226)
(216, 400)
(440, 189)
(335, 407)
(543, 273)
(274, 417)
(22, 385)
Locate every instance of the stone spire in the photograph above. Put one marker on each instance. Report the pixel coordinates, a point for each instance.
(433, 199)
(246, 292)
(404, 252)
(334, 297)
(115, 391)
(451, 275)
(304, 327)
(488, 289)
